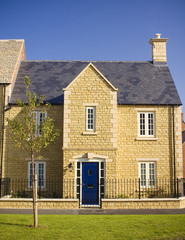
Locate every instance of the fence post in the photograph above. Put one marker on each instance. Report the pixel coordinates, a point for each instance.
(79, 194)
(139, 190)
(177, 188)
(100, 194)
(39, 188)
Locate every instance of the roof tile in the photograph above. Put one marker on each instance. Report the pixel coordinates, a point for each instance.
(137, 82)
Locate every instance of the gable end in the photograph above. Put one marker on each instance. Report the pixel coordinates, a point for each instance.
(104, 78)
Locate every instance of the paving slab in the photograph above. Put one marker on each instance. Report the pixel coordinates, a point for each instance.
(94, 211)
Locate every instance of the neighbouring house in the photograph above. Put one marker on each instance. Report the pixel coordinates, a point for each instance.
(120, 123)
(183, 150)
(183, 145)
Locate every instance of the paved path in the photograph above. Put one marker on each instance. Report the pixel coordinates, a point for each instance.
(94, 211)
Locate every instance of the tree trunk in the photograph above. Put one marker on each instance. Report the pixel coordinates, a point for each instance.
(34, 186)
(35, 204)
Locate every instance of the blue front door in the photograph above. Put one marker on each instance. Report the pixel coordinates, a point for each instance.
(90, 183)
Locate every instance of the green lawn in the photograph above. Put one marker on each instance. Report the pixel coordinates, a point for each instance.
(93, 227)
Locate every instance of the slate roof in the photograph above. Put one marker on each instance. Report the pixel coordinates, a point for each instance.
(137, 82)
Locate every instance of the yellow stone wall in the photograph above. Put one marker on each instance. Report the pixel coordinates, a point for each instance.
(16, 160)
(90, 89)
(106, 203)
(1, 119)
(133, 149)
(178, 141)
(142, 203)
(42, 203)
(159, 52)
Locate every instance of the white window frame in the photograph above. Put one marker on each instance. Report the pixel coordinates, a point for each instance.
(36, 117)
(93, 118)
(37, 173)
(147, 182)
(80, 177)
(146, 126)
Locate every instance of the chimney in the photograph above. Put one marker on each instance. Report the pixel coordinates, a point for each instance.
(158, 45)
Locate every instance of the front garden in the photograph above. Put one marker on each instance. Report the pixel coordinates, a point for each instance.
(83, 227)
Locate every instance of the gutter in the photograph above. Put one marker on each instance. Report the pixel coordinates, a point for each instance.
(2, 136)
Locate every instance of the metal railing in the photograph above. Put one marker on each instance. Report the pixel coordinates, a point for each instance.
(137, 188)
(49, 188)
(109, 188)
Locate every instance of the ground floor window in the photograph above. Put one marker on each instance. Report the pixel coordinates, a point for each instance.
(40, 169)
(147, 173)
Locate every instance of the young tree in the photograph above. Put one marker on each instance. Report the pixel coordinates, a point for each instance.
(30, 137)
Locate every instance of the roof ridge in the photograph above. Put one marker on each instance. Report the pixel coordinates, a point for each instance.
(84, 61)
(9, 40)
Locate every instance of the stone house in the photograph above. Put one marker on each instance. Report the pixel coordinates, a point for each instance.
(183, 147)
(118, 120)
(183, 152)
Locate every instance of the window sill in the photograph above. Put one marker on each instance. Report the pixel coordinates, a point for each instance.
(146, 138)
(89, 133)
(44, 189)
(144, 188)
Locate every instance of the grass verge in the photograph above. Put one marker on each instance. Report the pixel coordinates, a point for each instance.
(97, 227)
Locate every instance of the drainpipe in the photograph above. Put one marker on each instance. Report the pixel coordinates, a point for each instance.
(174, 151)
(2, 137)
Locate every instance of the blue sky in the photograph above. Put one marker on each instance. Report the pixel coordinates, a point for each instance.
(97, 30)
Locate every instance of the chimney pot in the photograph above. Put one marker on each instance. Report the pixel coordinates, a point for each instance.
(158, 35)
